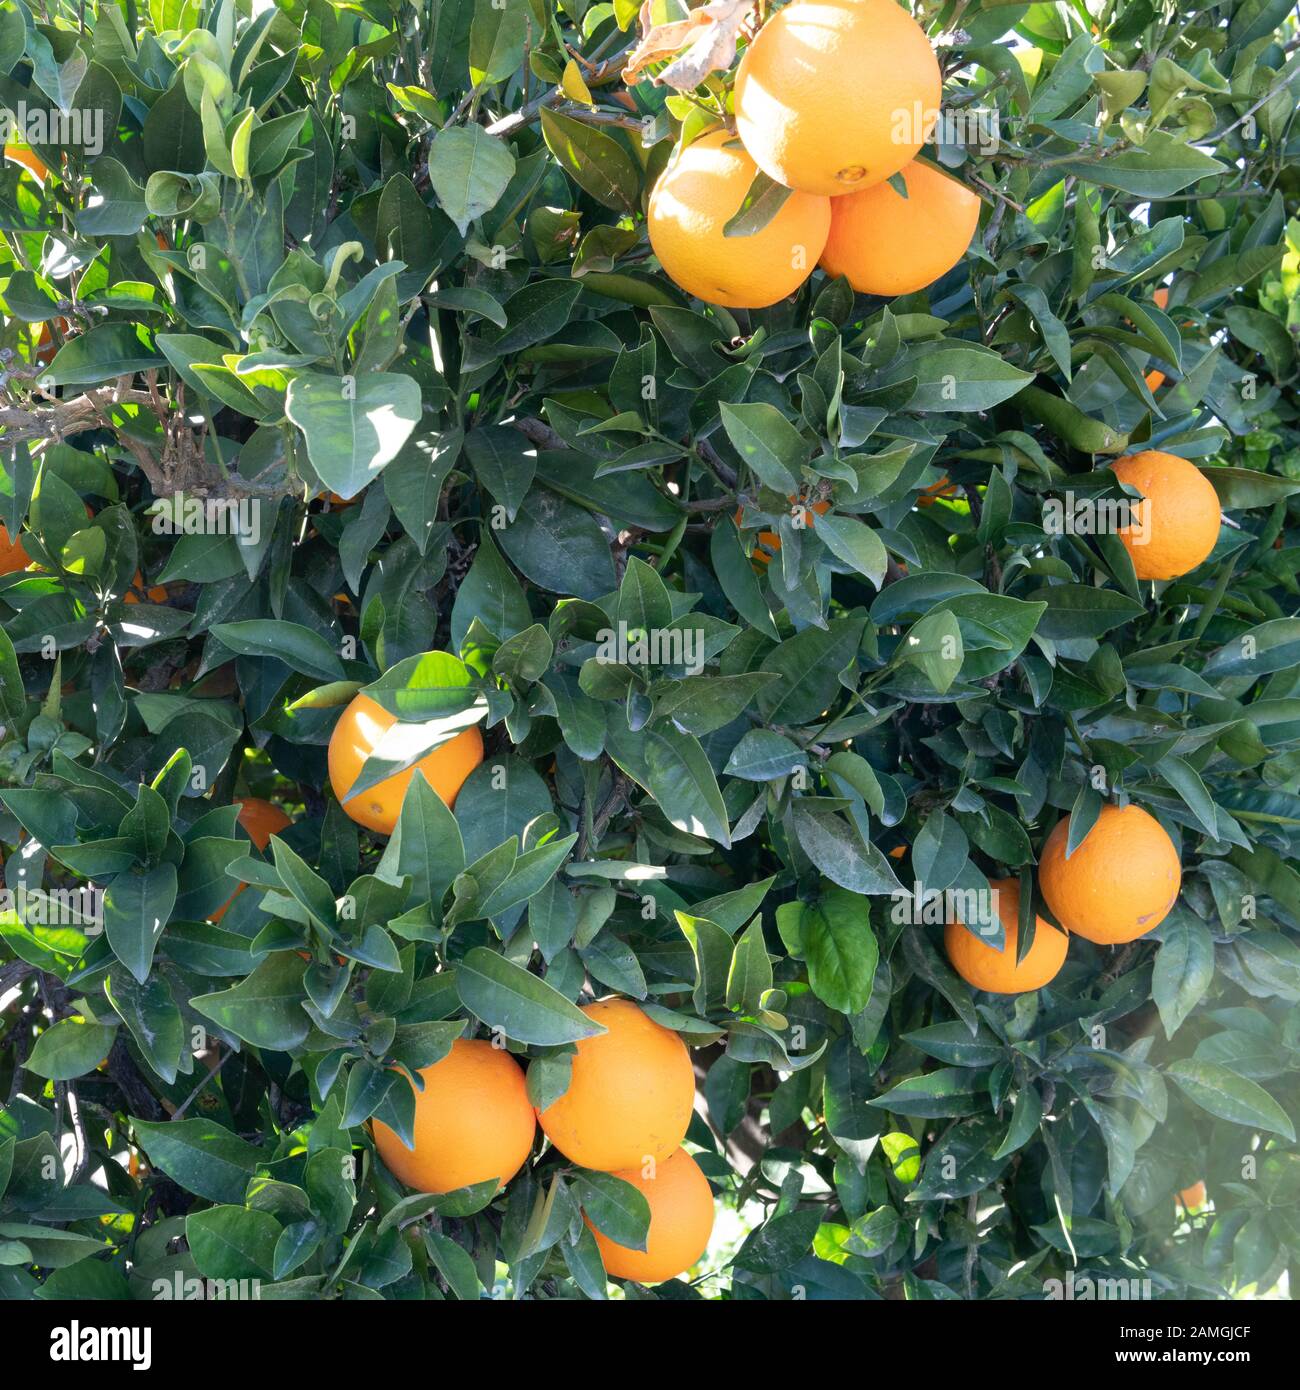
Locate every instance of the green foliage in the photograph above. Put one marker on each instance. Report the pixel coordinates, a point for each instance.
(396, 253)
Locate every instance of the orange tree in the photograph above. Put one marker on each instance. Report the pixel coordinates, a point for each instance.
(733, 642)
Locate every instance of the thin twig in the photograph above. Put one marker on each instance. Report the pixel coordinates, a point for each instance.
(185, 1104)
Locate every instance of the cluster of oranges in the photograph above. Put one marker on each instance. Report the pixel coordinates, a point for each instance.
(625, 1112)
(832, 99)
(1119, 884)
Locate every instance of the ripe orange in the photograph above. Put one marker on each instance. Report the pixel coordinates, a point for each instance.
(1121, 881)
(770, 538)
(356, 736)
(945, 487)
(473, 1122)
(155, 594)
(1193, 1198)
(630, 1093)
(887, 244)
(681, 1222)
(985, 967)
(12, 555)
(1178, 522)
(697, 194)
(1155, 379)
(835, 95)
(29, 159)
(261, 819)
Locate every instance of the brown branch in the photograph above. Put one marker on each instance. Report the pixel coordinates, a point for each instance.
(538, 433)
(724, 471)
(608, 71)
(618, 793)
(62, 419)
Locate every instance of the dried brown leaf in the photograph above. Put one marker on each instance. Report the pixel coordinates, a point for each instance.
(705, 42)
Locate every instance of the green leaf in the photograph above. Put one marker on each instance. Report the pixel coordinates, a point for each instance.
(455, 1264)
(426, 844)
(354, 426)
(1231, 1097)
(809, 664)
(266, 1008)
(761, 204)
(230, 1242)
(469, 169)
(200, 1156)
(151, 1015)
(71, 1048)
(837, 941)
(1183, 970)
(305, 885)
(595, 161)
(496, 41)
(559, 546)
(767, 442)
(504, 462)
(956, 377)
(102, 354)
(616, 1208)
(750, 976)
(114, 205)
(835, 846)
(855, 544)
(678, 776)
(137, 907)
(300, 647)
(525, 1008)
(934, 646)
(1080, 610)
(1158, 169)
(762, 755)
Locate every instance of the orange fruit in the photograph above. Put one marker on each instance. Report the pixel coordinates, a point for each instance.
(1155, 379)
(12, 555)
(1193, 1198)
(693, 199)
(473, 1122)
(1121, 881)
(261, 819)
(1178, 522)
(898, 851)
(155, 594)
(630, 1096)
(770, 538)
(357, 735)
(945, 487)
(30, 160)
(681, 1222)
(833, 96)
(984, 967)
(887, 244)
